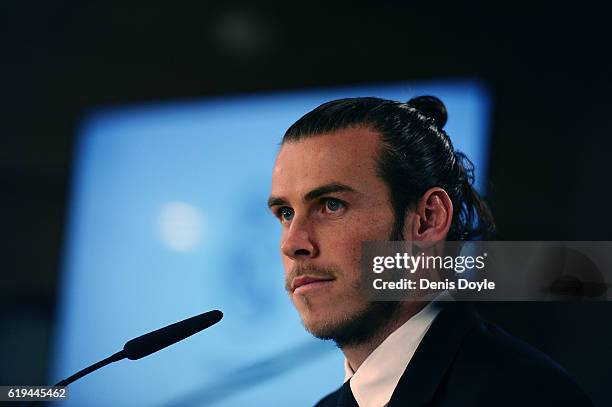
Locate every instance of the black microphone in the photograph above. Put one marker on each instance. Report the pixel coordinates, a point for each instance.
(151, 342)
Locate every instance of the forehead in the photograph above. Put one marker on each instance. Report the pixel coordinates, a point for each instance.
(345, 156)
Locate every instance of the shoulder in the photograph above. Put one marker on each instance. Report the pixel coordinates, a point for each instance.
(331, 400)
(498, 366)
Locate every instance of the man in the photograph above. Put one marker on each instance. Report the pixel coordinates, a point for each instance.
(368, 169)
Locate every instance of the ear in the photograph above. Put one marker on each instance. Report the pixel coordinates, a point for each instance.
(432, 217)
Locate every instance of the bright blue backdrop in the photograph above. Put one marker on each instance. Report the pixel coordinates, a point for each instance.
(168, 219)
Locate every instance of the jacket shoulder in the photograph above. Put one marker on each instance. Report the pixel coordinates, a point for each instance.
(498, 366)
(331, 400)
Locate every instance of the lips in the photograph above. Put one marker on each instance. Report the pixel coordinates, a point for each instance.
(306, 280)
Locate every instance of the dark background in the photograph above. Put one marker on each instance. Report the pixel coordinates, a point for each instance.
(548, 68)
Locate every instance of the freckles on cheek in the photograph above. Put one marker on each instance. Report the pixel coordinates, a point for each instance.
(370, 230)
(349, 249)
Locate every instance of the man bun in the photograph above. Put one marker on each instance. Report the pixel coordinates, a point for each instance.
(431, 107)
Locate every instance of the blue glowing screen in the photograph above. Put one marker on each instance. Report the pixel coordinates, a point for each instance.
(168, 219)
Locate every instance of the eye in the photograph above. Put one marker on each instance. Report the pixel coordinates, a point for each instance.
(285, 214)
(334, 205)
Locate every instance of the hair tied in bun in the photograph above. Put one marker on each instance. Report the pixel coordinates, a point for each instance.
(431, 107)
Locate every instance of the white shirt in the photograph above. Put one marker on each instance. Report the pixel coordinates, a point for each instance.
(375, 380)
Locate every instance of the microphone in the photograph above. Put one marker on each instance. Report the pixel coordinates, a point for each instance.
(151, 342)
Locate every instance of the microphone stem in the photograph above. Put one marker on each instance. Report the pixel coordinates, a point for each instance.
(113, 358)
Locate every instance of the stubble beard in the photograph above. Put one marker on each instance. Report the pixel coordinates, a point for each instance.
(356, 327)
(359, 327)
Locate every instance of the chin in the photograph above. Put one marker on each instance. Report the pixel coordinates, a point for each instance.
(323, 324)
(349, 328)
(319, 322)
(322, 329)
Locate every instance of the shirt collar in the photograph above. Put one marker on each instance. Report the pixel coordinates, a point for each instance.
(375, 380)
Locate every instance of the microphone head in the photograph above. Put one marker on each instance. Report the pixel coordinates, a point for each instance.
(153, 341)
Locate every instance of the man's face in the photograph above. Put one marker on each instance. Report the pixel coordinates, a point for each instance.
(328, 198)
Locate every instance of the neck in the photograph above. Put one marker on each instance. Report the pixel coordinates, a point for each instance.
(356, 354)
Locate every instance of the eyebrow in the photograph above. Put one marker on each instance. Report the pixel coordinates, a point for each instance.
(314, 194)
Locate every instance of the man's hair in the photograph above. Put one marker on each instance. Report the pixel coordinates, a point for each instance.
(415, 154)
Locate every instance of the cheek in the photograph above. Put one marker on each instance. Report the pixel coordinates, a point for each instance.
(366, 229)
(373, 225)
(344, 246)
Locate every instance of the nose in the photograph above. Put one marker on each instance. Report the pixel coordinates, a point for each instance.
(297, 242)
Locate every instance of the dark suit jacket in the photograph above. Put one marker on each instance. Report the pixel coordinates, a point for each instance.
(466, 361)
